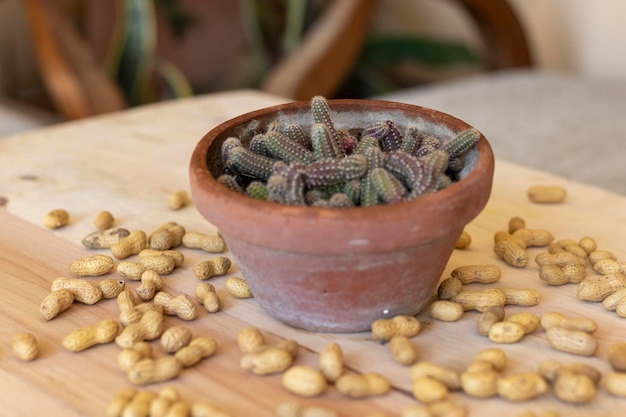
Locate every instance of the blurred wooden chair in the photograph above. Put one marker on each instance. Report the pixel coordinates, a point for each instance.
(79, 86)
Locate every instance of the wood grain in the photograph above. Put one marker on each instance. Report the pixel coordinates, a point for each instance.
(129, 162)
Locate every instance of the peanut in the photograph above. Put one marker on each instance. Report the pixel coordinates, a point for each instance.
(522, 297)
(600, 287)
(494, 357)
(534, 237)
(211, 268)
(199, 348)
(597, 255)
(511, 253)
(331, 362)
(111, 287)
(385, 329)
(588, 244)
(428, 390)
(611, 301)
(132, 244)
(56, 219)
(446, 376)
(441, 408)
(103, 332)
(139, 404)
(174, 338)
(178, 199)
(528, 321)
(25, 346)
(567, 245)
(83, 290)
(448, 288)
(608, 267)
(480, 382)
(559, 275)
(267, 361)
(487, 318)
(582, 324)
(506, 332)
(103, 239)
(615, 383)
(176, 231)
(522, 386)
(149, 370)
(249, 339)
(296, 409)
(516, 223)
(161, 264)
(160, 239)
(181, 306)
(484, 274)
(238, 288)
(120, 401)
(148, 328)
(574, 388)
(480, 300)
(551, 369)
(151, 282)
(573, 341)
(446, 310)
(402, 350)
(167, 397)
(304, 381)
(362, 385)
(91, 266)
(175, 254)
(546, 194)
(208, 243)
(104, 220)
(463, 241)
(126, 305)
(56, 302)
(207, 297)
(130, 270)
(560, 259)
(131, 355)
(620, 308)
(204, 409)
(617, 356)
(516, 240)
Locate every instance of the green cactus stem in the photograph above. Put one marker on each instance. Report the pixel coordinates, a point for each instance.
(352, 189)
(388, 187)
(294, 193)
(247, 163)
(277, 189)
(408, 168)
(296, 134)
(412, 140)
(365, 143)
(428, 145)
(229, 182)
(228, 145)
(434, 165)
(329, 171)
(321, 142)
(257, 189)
(257, 145)
(321, 114)
(375, 158)
(462, 142)
(369, 195)
(338, 200)
(287, 150)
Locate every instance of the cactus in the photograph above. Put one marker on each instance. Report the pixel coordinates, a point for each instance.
(286, 150)
(462, 142)
(337, 167)
(321, 114)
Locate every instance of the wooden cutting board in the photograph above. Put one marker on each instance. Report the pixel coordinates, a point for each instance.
(135, 188)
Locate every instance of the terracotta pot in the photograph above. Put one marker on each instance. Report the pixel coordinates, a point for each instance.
(337, 270)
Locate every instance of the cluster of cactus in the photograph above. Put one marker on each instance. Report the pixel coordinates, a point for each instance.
(332, 167)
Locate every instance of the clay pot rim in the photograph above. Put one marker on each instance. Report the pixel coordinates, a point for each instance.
(273, 213)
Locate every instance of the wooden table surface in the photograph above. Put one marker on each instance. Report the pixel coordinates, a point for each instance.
(130, 162)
